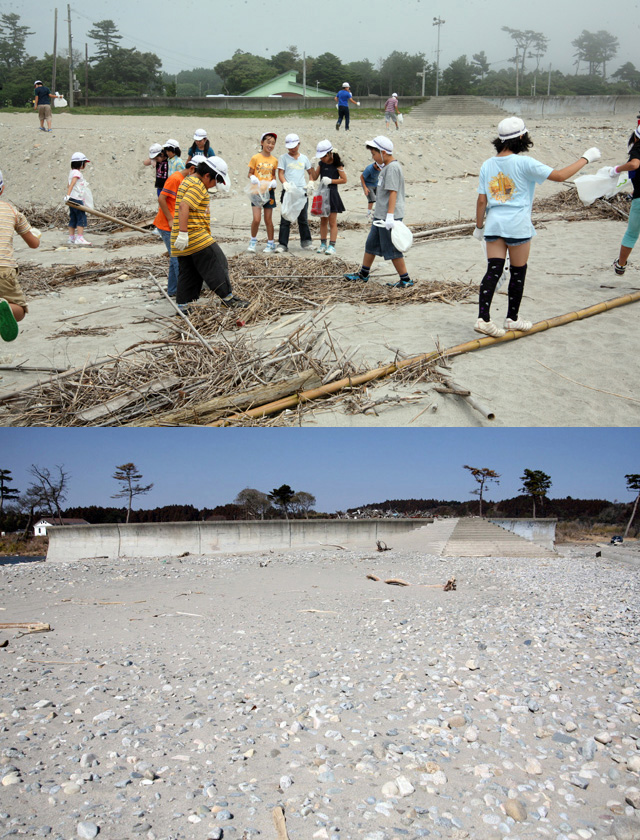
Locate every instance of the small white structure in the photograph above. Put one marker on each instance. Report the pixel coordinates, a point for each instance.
(40, 528)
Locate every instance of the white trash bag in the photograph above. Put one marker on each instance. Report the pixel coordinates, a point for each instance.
(258, 193)
(400, 118)
(401, 236)
(59, 101)
(600, 185)
(88, 196)
(294, 200)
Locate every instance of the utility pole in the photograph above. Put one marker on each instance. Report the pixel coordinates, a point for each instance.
(304, 75)
(70, 58)
(549, 82)
(517, 72)
(423, 74)
(86, 75)
(438, 22)
(55, 51)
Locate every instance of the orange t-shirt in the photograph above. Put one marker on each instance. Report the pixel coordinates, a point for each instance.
(169, 191)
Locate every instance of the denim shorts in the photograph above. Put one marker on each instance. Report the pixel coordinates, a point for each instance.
(508, 240)
(77, 217)
(380, 244)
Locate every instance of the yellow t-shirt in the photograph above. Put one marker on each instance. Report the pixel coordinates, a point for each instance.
(194, 192)
(264, 167)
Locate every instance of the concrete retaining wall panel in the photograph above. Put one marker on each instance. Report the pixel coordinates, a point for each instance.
(539, 531)
(560, 106)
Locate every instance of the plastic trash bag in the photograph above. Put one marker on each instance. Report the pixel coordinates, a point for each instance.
(87, 196)
(401, 236)
(600, 185)
(258, 193)
(321, 201)
(400, 120)
(60, 102)
(294, 200)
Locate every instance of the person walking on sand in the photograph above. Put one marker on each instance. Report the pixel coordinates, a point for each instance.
(344, 98)
(331, 169)
(391, 111)
(292, 167)
(42, 104)
(633, 226)
(76, 196)
(200, 258)
(13, 303)
(389, 209)
(505, 195)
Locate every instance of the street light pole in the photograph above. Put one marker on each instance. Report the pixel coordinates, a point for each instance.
(438, 22)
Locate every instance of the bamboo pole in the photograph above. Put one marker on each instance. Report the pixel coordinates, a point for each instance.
(100, 215)
(457, 350)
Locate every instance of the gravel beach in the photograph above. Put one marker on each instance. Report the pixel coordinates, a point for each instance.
(186, 697)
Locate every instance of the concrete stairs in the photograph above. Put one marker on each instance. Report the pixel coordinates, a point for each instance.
(460, 106)
(475, 537)
(430, 539)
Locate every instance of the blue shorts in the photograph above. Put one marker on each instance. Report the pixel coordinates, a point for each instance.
(77, 216)
(379, 244)
(508, 240)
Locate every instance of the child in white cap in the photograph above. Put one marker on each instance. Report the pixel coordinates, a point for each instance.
(13, 304)
(262, 174)
(391, 111)
(331, 169)
(292, 167)
(172, 150)
(343, 99)
(200, 145)
(158, 158)
(633, 227)
(76, 195)
(389, 209)
(505, 194)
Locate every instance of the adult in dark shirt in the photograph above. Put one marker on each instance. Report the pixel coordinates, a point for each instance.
(42, 103)
(633, 227)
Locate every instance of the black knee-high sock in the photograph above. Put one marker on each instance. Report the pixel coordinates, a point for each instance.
(516, 288)
(495, 268)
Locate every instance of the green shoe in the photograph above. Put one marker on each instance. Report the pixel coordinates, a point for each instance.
(8, 324)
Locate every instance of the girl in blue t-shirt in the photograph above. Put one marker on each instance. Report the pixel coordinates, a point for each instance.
(505, 195)
(633, 227)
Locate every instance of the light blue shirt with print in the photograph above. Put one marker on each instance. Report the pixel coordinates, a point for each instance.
(509, 183)
(294, 169)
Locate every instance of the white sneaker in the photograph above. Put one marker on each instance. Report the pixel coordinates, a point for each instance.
(520, 324)
(330, 251)
(252, 248)
(488, 328)
(72, 240)
(321, 248)
(80, 240)
(281, 249)
(270, 249)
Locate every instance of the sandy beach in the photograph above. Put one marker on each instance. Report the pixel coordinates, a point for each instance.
(581, 374)
(187, 697)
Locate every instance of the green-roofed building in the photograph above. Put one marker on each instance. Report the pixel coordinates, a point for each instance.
(286, 84)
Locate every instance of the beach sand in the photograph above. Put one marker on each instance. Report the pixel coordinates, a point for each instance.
(179, 698)
(581, 374)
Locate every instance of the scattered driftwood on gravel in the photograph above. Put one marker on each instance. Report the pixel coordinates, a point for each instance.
(449, 586)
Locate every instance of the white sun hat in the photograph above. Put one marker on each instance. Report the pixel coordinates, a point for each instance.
(200, 134)
(381, 143)
(291, 141)
(323, 148)
(511, 127)
(154, 150)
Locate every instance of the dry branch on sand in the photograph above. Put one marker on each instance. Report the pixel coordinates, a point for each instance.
(197, 375)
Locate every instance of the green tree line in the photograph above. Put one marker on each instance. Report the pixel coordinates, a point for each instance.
(117, 71)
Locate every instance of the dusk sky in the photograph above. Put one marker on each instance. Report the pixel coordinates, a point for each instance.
(341, 467)
(191, 34)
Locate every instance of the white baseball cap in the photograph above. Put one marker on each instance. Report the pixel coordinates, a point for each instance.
(345, 84)
(511, 127)
(323, 148)
(200, 134)
(76, 156)
(291, 141)
(196, 159)
(154, 150)
(171, 144)
(219, 166)
(394, 94)
(267, 134)
(381, 143)
(37, 82)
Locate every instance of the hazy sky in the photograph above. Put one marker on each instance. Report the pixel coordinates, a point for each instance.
(363, 29)
(341, 467)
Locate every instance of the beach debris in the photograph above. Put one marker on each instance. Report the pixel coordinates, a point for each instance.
(450, 387)
(449, 586)
(26, 626)
(382, 546)
(279, 820)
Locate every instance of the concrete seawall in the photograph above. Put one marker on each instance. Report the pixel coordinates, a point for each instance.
(561, 106)
(539, 531)
(85, 542)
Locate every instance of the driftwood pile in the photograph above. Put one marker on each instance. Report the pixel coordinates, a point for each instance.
(46, 218)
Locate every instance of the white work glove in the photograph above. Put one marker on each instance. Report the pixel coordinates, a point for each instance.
(357, 103)
(591, 155)
(182, 241)
(66, 198)
(311, 187)
(326, 180)
(254, 179)
(613, 172)
(479, 233)
(35, 232)
(273, 185)
(286, 186)
(337, 105)
(389, 222)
